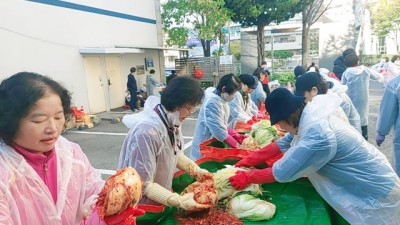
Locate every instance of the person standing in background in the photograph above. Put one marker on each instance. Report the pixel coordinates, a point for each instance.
(265, 80)
(151, 84)
(389, 116)
(313, 68)
(392, 69)
(259, 95)
(298, 71)
(338, 65)
(132, 88)
(357, 78)
(172, 76)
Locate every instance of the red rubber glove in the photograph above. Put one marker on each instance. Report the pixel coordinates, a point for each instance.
(127, 217)
(242, 179)
(250, 122)
(254, 118)
(260, 156)
(231, 142)
(238, 137)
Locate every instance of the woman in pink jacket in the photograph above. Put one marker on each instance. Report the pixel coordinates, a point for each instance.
(44, 178)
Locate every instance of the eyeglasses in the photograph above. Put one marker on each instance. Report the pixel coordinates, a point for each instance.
(191, 111)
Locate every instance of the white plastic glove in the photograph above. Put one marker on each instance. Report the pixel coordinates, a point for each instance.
(190, 167)
(199, 173)
(161, 195)
(187, 202)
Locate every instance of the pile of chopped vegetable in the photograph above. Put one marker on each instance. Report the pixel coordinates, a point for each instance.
(212, 217)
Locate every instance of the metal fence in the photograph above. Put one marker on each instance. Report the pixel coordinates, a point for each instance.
(212, 68)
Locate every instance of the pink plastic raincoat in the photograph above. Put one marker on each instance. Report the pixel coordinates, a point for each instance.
(25, 199)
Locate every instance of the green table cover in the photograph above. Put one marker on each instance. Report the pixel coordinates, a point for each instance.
(296, 202)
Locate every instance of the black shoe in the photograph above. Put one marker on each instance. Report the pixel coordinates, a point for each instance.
(134, 110)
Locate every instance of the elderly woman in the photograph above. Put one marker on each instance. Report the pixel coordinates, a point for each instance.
(154, 144)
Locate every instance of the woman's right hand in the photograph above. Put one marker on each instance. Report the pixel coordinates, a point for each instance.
(188, 203)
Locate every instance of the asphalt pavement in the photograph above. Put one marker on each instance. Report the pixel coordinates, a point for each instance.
(103, 142)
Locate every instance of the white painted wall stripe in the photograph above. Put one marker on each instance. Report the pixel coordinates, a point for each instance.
(116, 134)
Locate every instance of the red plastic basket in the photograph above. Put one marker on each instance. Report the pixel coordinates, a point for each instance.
(243, 127)
(215, 149)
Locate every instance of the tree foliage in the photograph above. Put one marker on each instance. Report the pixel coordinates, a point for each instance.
(261, 13)
(280, 54)
(204, 18)
(386, 19)
(234, 49)
(312, 10)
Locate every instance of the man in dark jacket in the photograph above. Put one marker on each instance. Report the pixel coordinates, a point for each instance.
(172, 76)
(338, 65)
(132, 88)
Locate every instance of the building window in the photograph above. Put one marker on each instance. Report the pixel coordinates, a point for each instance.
(381, 45)
(171, 58)
(292, 38)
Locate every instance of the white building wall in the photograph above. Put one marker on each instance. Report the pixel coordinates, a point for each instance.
(41, 37)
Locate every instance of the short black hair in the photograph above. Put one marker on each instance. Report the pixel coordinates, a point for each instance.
(152, 71)
(395, 57)
(173, 72)
(229, 82)
(298, 71)
(258, 72)
(351, 60)
(180, 91)
(18, 95)
(133, 69)
(348, 52)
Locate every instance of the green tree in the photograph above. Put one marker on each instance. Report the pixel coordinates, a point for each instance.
(204, 18)
(234, 49)
(261, 13)
(386, 19)
(312, 10)
(280, 54)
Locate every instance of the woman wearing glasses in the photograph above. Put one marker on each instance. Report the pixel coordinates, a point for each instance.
(154, 144)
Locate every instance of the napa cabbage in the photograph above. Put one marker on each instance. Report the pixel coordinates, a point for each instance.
(247, 207)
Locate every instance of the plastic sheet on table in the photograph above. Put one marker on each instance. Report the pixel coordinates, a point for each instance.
(297, 202)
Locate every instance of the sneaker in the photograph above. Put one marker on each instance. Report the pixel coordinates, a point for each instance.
(134, 110)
